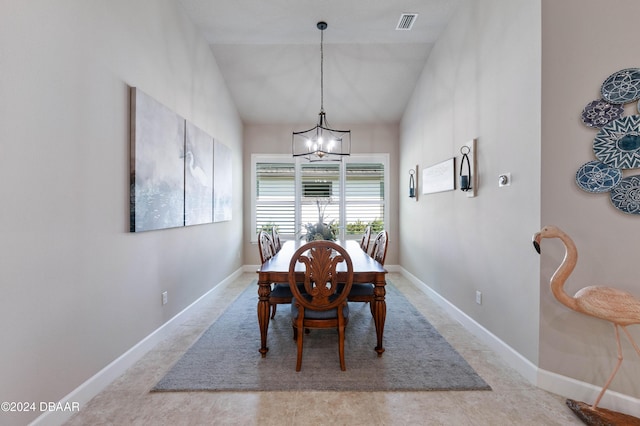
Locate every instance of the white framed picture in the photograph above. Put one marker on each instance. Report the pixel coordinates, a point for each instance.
(439, 177)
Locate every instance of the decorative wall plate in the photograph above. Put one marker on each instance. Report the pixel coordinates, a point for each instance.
(622, 86)
(618, 143)
(600, 112)
(596, 176)
(626, 196)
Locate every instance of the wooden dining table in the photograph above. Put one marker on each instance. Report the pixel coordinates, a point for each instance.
(365, 270)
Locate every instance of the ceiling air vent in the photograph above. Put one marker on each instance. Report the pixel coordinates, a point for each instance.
(406, 21)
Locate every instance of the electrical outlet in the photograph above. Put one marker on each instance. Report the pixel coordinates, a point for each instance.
(165, 297)
(479, 297)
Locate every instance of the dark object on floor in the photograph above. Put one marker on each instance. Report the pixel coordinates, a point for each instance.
(601, 416)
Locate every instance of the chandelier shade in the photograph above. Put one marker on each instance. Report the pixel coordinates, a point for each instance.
(321, 143)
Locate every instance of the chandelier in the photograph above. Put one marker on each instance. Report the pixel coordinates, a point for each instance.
(322, 143)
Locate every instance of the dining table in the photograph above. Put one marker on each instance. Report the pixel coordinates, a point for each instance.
(365, 270)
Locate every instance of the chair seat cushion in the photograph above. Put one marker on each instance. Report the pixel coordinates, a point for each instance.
(361, 290)
(281, 290)
(311, 314)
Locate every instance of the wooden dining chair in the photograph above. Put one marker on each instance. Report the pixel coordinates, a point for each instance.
(364, 292)
(265, 246)
(366, 236)
(323, 303)
(379, 250)
(275, 238)
(280, 292)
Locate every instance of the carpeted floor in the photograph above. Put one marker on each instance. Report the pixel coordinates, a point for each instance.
(226, 357)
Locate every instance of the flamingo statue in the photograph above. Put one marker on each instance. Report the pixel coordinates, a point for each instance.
(610, 304)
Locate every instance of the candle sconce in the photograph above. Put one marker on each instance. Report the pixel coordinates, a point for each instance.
(465, 179)
(413, 193)
(468, 169)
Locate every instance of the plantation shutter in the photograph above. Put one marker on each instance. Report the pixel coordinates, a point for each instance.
(275, 197)
(320, 191)
(364, 197)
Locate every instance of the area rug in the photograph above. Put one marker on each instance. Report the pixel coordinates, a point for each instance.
(416, 357)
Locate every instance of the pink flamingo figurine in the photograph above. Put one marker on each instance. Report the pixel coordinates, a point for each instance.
(610, 304)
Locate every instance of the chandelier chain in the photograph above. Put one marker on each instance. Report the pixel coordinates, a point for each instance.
(321, 143)
(321, 71)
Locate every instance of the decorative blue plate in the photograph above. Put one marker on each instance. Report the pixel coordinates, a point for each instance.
(599, 112)
(618, 143)
(596, 176)
(626, 196)
(622, 86)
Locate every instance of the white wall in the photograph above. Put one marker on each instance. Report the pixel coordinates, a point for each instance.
(583, 42)
(79, 290)
(517, 74)
(482, 80)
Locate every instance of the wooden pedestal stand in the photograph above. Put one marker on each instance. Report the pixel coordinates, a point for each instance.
(601, 416)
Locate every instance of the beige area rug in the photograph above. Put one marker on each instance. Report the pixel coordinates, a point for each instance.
(226, 357)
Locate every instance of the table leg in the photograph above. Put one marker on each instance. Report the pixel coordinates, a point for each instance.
(264, 289)
(379, 313)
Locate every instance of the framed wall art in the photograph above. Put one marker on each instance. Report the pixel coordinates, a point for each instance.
(157, 165)
(222, 189)
(180, 176)
(198, 176)
(439, 177)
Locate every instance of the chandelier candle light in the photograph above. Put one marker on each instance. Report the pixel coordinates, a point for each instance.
(321, 143)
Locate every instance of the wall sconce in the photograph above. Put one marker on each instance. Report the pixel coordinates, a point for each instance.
(412, 183)
(469, 169)
(465, 180)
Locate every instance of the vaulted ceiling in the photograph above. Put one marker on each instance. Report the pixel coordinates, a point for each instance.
(269, 54)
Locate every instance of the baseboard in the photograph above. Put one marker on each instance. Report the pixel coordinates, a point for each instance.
(393, 268)
(551, 382)
(99, 381)
(251, 268)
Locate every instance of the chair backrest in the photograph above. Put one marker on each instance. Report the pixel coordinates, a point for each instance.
(275, 237)
(321, 259)
(379, 251)
(265, 246)
(364, 242)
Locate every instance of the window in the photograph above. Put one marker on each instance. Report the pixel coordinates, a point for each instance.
(291, 192)
(364, 197)
(275, 196)
(316, 205)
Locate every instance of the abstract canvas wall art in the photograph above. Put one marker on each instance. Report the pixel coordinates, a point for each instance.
(180, 176)
(157, 165)
(222, 188)
(198, 176)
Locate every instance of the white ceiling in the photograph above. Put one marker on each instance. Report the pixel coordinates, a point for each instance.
(269, 54)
